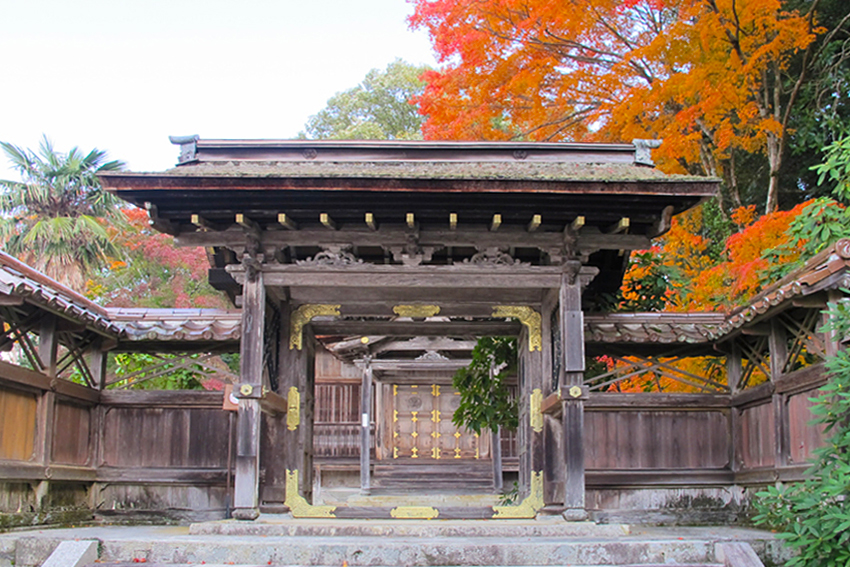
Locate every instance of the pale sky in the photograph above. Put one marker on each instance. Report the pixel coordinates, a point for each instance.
(123, 75)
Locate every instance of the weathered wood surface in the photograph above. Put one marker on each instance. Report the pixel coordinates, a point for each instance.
(17, 424)
(165, 437)
(71, 441)
(633, 440)
(804, 436)
(758, 441)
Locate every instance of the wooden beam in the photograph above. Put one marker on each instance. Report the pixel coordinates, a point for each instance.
(273, 403)
(370, 222)
(475, 237)
(620, 226)
(496, 222)
(416, 328)
(327, 221)
(452, 221)
(756, 330)
(665, 221)
(11, 300)
(577, 223)
(201, 222)
(159, 223)
(249, 225)
(410, 220)
(286, 222)
(534, 224)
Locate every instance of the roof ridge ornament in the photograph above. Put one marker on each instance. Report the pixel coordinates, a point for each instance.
(643, 156)
(188, 147)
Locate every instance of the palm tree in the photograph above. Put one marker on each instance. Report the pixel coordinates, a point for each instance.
(56, 217)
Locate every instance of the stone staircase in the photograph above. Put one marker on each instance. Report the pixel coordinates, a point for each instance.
(413, 543)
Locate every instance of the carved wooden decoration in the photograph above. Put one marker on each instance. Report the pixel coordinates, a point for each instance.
(416, 311)
(528, 317)
(303, 315)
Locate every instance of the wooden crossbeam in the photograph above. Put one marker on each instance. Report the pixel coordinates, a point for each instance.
(535, 223)
(286, 222)
(370, 221)
(452, 221)
(327, 221)
(248, 224)
(620, 226)
(201, 222)
(410, 219)
(496, 222)
(160, 224)
(577, 223)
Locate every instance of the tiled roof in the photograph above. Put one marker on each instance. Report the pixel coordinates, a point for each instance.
(217, 325)
(16, 278)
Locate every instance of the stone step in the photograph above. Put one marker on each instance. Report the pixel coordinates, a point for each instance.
(136, 564)
(411, 544)
(410, 552)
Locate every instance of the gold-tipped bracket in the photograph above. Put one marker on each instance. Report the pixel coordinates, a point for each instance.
(298, 505)
(527, 508)
(303, 315)
(416, 311)
(293, 409)
(536, 410)
(528, 317)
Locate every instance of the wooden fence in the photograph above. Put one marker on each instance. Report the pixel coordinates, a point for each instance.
(166, 452)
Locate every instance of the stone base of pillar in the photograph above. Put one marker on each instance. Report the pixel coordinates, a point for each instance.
(574, 514)
(246, 513)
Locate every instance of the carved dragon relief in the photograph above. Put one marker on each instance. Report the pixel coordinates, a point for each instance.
(528, 317)
(303, 315)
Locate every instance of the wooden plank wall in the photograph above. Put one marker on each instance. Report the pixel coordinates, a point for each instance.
(641, 439)
(17, 424)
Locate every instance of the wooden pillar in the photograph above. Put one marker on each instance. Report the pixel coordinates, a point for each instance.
(365, 423)
(553, 432)
(573, 392)
(734, 372)
(778, 345)
(246, 492)
(832, 341)
(47, 349)
(297, 383)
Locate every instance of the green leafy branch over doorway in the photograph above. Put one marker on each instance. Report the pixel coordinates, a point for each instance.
(485, 399)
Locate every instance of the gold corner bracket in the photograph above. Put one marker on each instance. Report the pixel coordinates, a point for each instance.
(303, 315)
(528, 317)
(293, 409)
(527, 508)
(298, 505)
(416, 311)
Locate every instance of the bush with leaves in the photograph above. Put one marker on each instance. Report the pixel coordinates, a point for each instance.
(485, 399)
(813, 517)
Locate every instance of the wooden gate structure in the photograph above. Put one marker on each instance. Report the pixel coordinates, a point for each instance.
(411, 239)
(376, 250)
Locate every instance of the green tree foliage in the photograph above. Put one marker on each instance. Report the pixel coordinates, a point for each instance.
(134, 364)
(813, 516)
(825, 220)
(485, 400)
(379, 108)
(55, 218)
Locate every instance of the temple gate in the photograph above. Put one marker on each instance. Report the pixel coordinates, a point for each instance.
(411, 239)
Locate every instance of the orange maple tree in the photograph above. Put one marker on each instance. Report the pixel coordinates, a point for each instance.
(705, 75)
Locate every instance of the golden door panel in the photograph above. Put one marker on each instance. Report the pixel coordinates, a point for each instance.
(423, 428)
